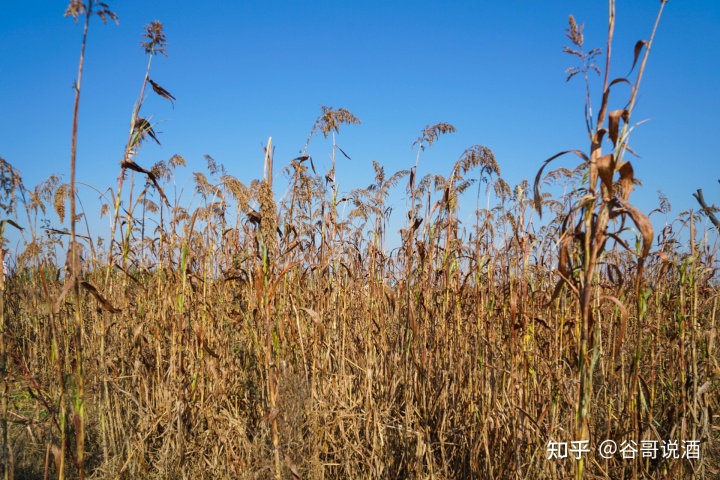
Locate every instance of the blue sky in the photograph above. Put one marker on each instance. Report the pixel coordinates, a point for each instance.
(244, 71)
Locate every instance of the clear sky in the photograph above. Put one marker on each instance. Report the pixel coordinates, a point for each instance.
(244, 71)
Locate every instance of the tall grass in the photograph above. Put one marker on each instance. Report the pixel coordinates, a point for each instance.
(248, 335)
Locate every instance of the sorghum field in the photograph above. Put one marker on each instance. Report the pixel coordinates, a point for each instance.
(269, 335)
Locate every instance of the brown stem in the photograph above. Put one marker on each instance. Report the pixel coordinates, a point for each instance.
(75, 259)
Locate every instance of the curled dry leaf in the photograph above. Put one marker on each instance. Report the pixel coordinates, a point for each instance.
(101, 300)
(614, 123)
(643, 224)
(620, 80)
(143, 127)
(162, 92)
(627, 178)
(564, 260)
(606, 171)
(595, 154)
(536, 185)
(9, 222)
(151, 176)
(341, 151)
(130, 276)
(638, 48)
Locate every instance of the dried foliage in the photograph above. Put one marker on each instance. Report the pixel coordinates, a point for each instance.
(143, 129)
(239, 335)
(205, 334)
(162, 92)
(601, 204)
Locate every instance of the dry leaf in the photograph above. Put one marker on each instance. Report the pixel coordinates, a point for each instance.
(101, 300)
(163, 93)
(626, 180)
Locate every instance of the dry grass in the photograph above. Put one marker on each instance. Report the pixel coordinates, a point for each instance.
(252, 337)
(354, 364)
